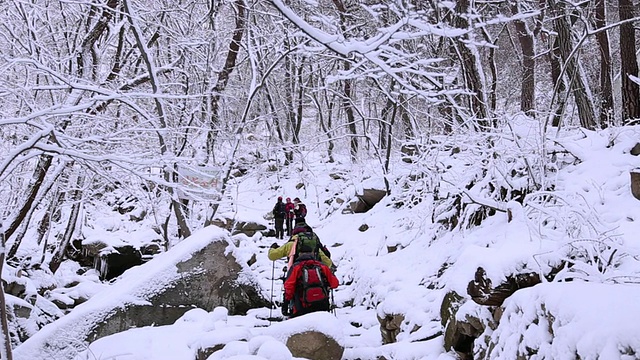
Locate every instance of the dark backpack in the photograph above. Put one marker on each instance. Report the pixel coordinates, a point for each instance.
(278, 210)
(302, 211)
(312, 287)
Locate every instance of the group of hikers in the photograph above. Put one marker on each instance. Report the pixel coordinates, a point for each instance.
(287, 213)
(310, 276)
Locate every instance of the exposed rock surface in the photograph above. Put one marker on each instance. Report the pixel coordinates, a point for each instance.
(367, 200)
(456, 337)
(239, 227)
(314, 345)
(390, 326)
(482, 291)
(114, 263)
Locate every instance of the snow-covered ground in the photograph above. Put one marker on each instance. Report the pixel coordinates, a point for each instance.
(590, 217)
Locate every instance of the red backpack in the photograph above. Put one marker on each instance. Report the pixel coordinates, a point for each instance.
(313, 287)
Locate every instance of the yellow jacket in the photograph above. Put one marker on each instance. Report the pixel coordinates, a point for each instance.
(284, 250)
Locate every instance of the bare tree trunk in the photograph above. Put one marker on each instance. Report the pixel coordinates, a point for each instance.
(183, 226)
(606, 88)
(347, 103)
(387, 111)
(26, 220)
(527, 89)
(387, 162)
(330, 106)
(276, 120)
(558, 80)
(6, 337)
(409, 131)
(169, 174)
(299, 101)
(289, 90)
(628, 64)
(325, 126)
(578, 85)
(327, 130)
(493, 93)
(347, 87)
(85, 65)
(44, 163)
(58, 256)
(223, 77)
(472, 76)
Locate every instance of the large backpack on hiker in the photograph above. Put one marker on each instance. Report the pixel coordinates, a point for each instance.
(310, 239)
(278, 210)
(312, 289)
(307, 240)
(301, 211)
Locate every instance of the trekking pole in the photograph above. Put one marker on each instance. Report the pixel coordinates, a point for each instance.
(333, 305)
(273, 271)
(285, 304)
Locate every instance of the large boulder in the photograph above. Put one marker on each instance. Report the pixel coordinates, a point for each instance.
(314, 345)
(367, 200)
(199, 272)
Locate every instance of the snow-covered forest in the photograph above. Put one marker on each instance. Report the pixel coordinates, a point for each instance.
(501, 135)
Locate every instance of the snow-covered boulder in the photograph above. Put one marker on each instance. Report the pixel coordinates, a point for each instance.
(200, 272)
(573, 320)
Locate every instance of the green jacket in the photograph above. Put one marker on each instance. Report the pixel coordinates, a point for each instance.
(284, 250)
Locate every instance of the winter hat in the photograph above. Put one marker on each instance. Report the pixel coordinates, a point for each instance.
(288, 199)
(299, 229)
(279, 197)
(296, 200)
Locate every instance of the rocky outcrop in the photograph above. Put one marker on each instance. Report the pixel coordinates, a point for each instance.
(314, 345)
(367, 200)
(390, 326)
(248, 228)
(199, 272)
(463, 328)
(456, 338)
(113, 261)
(482, 291)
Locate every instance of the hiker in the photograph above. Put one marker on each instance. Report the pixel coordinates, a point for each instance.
(307, 288)
(279, 214)
(302, 234)
(300, 225)
(289, 211)
(300, 210)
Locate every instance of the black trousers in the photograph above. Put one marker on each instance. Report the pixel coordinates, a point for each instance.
(298, 309)
(289, 226)
(280, 228)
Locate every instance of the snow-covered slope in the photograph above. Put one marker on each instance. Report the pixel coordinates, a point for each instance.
(395, 260)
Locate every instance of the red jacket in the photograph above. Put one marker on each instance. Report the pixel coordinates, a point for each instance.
(290, 283)
(288, 209)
